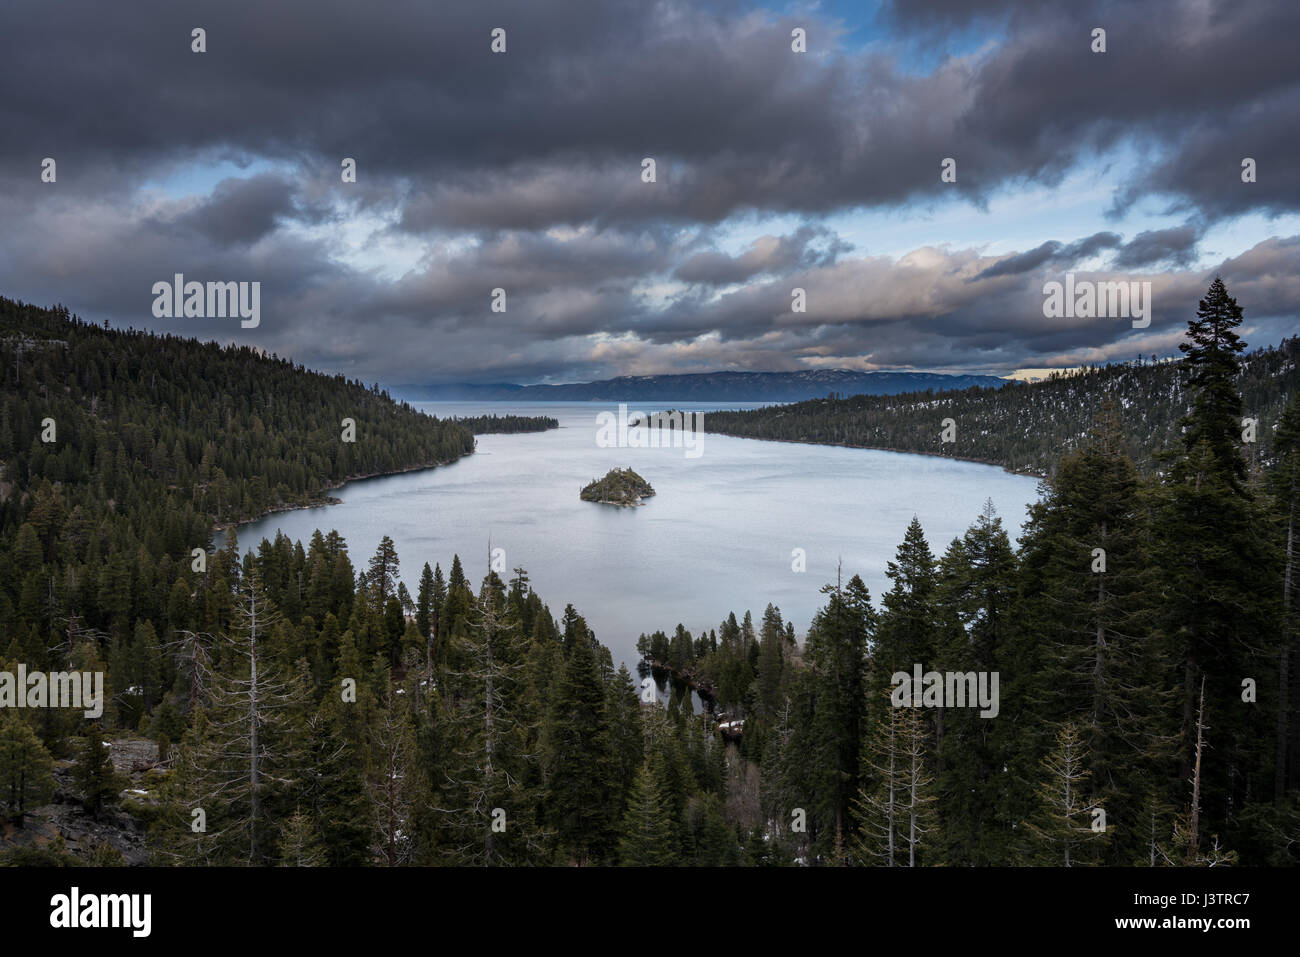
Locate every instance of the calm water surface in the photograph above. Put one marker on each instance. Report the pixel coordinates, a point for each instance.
(717, 537)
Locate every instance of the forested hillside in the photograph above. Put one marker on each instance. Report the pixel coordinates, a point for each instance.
(1025, 427)
(206, 432)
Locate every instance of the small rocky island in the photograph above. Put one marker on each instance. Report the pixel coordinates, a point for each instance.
(621, 487)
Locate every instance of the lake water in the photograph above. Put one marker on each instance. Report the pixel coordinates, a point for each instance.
(717, 537)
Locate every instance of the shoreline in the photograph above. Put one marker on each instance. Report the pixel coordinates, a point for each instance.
(882, 448)
(704, 689)
(326, 499)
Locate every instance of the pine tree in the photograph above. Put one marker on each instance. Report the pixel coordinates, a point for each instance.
(581, 762)
(334, 793)
(777, 789)
(26, 769)
(454, 618)
(974, 595)
(770, 672)
(147, 664)
(299, 844)
(1211, 359)
(94, 776)
(383, 570)
(712, 838)
(646, 838)
(1082, 650)
(909, 624)
(626, 731)
(908, 629)
(394, 784)
(438, 601)
(424, 604)
(1219, 601)
(485, 807)
(837, 649)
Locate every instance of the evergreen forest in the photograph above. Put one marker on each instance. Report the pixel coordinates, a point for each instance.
(295, 704)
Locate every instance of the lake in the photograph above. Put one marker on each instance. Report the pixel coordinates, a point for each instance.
(717, 537)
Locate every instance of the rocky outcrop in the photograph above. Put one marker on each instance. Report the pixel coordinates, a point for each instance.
(64, 827)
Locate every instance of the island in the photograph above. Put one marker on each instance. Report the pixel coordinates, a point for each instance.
(621, 487)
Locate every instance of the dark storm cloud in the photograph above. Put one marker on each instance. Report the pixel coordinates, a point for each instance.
(1269, 276)
(523, 171)
(586, 90)
(768, 254)
(1045, 89)
(1204, 172)
(1089, 246)
(243, 210)
(1052, 252)
(1176, 245)
(554, 287)
(1023, 262)
(102, 259)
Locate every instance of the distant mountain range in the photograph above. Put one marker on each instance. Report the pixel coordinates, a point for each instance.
(707, 387)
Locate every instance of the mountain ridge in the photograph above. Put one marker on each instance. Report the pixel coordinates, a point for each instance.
(723, 386)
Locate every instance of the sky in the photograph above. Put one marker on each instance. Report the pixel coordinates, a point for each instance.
(775, 170)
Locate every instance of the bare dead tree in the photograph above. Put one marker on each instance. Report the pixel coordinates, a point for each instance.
(248, 743)
(1067, 812)
(1193, 836)
(898, 812)
(876, 811)
(192, 652)
(74, 633)
(917, 780)
(1187, 830)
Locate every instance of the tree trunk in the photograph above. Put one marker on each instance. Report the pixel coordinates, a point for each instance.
(1194, 837)
(1280, 775)
(252, 731)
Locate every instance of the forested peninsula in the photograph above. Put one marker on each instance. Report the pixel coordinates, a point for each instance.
(506, 424)
(1025, 427)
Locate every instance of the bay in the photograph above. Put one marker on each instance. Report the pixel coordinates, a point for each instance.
(719, 536)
